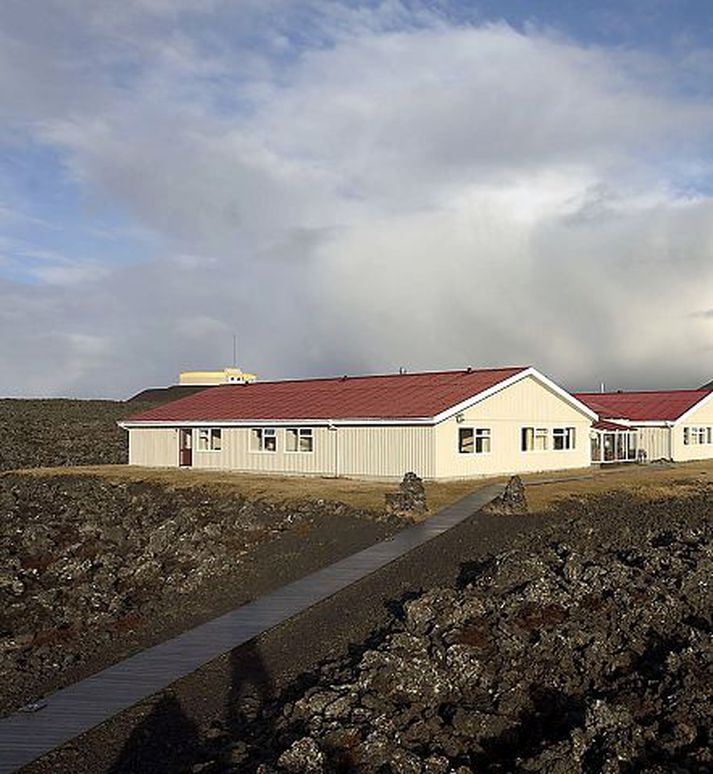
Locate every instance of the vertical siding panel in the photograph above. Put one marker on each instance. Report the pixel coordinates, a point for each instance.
(386, 452)
(153, 447)
(525, 403)
(701, 417)
(655, 441)
(236, 454)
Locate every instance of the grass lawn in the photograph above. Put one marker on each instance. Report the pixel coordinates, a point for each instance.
(542, 493)
(360, 494)
(647, 481)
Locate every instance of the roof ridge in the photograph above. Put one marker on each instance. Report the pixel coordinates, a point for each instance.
(423, 394)
(641, 392)
(353, 377)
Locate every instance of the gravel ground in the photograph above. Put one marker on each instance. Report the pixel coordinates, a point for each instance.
(92, 571)
(586, 647)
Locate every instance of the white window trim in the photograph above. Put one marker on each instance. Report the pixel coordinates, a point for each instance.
(209, 430)
(475, 428)
(535, 428)
(299, 431)
(262, 431)
(696, 431)
(573, 447)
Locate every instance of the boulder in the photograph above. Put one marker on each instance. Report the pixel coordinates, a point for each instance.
(409, 502)
(512, 502)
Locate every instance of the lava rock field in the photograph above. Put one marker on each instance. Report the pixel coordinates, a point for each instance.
(585, 648)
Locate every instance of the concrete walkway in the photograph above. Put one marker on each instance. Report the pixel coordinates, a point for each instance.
(76, 709)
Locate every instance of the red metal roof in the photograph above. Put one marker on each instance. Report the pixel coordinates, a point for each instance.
(603, 424)
(644, 406)
(391, 396)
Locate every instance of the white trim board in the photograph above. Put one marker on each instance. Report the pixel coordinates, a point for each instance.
(535, 374)
(702, 402)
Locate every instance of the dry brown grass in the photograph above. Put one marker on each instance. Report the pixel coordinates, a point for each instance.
(647, 481)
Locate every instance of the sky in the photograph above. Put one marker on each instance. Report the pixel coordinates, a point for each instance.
(354, 187)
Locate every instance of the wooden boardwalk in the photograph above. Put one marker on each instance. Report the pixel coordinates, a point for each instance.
(76, 709)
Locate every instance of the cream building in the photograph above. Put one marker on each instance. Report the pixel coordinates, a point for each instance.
(441, 425)
(652, 425)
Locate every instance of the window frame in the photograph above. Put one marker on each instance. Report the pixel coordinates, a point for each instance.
(569, 438)
(270, 432)
(479, 434)
(537, 432)
(300, 432)
(210, 431)
(697, 435)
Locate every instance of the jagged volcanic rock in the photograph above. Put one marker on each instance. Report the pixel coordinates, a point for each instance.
(585, 648)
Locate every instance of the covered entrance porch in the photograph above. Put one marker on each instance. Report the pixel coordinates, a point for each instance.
(614, 443)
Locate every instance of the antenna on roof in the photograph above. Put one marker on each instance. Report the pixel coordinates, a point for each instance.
(602, 387)
(235, 351)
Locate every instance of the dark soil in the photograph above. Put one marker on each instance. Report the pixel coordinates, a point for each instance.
(93, 570)
(585, 648)
(58, 432)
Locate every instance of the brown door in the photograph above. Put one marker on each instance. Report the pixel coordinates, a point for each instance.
(185, 447)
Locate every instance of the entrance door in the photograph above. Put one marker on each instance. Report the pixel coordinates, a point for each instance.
(185, 447)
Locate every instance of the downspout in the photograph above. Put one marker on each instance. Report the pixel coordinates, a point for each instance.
(335, 432)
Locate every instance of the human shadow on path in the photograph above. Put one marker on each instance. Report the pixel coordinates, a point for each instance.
(165, 742)
(251, 690)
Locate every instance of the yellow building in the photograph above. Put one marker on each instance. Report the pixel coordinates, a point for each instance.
(441, 425)
(211, 378)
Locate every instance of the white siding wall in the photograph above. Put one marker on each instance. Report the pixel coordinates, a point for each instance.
(656, 442)
(359, 451)
(386, 452)
(153, 447)
(526, 403)
(702, 417)
(236, 454)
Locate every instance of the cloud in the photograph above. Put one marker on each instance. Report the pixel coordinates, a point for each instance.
(385, 188)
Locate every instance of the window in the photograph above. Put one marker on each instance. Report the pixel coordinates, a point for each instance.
(474, 440)
(563, 438)
(300, 439)
(465, 440)
(695, 436)
(263, 439)
(533, 439)
(210, 439)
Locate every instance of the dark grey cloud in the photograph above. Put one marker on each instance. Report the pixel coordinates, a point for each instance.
(391, 190)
